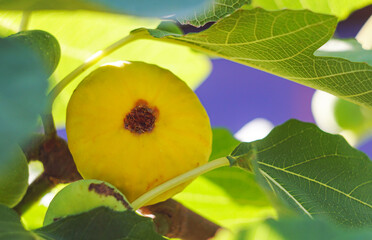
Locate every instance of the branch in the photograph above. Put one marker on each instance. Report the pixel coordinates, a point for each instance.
(59, 167)
(49, 126)
(35, 192)
(31, 148)
(174, 220)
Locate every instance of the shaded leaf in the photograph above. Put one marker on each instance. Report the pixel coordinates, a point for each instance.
(294, 228)
(340, 8)
(101, 223)
(149, 8)
(23, 85)
(169, 26)
(281, 43)
(211, 12)
(313, 172)
(11, 227)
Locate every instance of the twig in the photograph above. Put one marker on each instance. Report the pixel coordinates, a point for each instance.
(87, 64)
(49, 126)
(174, 220)
(31, 148)
(59, 167)
(25, 21)
(155, 192)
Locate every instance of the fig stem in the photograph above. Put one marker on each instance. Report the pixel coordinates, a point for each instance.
(155, 192)
(83, 67)
(25, 20)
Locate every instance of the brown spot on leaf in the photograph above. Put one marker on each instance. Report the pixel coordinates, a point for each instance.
(141, 119)
(103, 189)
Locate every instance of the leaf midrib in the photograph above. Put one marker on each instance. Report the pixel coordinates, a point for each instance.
(268, 177)
(317, 182)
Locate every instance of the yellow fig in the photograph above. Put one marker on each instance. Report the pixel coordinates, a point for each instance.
(136, 125)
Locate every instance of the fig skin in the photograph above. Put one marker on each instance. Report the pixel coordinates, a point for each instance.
(137, 125)
(43, 44)
(13, 178)
(82, 196)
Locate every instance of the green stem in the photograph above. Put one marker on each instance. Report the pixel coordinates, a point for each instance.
(25, 20)
(87, 64)
(49, 126)
(155, 192)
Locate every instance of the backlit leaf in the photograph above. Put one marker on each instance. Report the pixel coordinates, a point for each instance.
(281, 43)
(339, 8)
(212, 11)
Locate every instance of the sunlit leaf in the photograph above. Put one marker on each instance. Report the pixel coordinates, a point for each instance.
(281, 43)
(212, 11)
(339, 8)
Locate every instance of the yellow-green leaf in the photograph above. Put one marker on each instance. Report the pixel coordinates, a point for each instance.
(340, 8)
(282, 43)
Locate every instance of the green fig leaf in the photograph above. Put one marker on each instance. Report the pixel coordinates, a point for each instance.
(294, 228)
(211, 12)
(11, 226)
(312, 172)
(101, 223)
(22, 93)
(97, 224)
(282, 43)
(340, 8)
